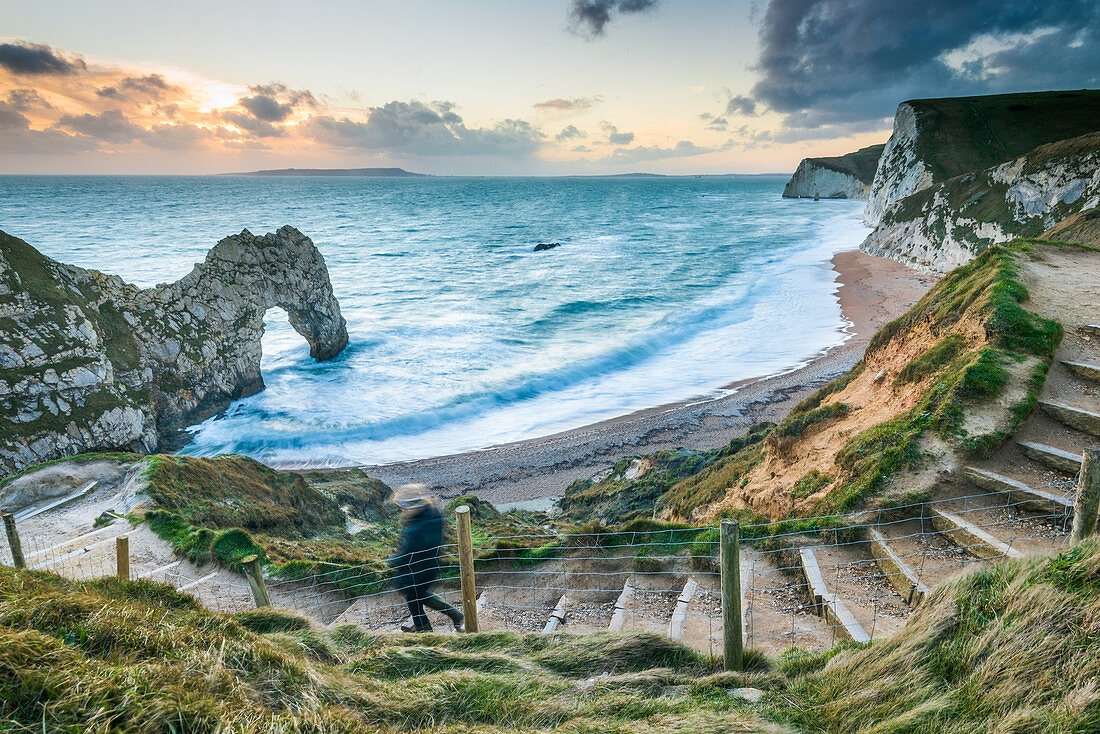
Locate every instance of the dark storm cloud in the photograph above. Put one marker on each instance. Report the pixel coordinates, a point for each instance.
(838, 61)
(37, 58)
(109, 127)
(590, 17)
(420, 128)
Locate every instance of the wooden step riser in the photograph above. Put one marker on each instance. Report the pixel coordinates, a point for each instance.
(1052, 459)
(1075, 418)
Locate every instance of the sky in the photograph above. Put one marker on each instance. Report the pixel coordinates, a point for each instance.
(487, 87)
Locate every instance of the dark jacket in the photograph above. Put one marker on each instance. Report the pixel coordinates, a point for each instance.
(416, 561)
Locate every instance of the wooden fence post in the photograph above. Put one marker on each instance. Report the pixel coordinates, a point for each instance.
(256, 581)
(1088, 496)
(122, 557)
(13, 541)
(466, 567)
(732, 642)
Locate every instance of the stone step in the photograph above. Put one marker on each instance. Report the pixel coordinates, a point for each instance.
(829, 606)
(1019, 494)
(676, 624)
(1094, 328)
(1084, 371)
(1076, 418)
(1051, 457)
(557, 617)
(29, 512)
(900, 576)
(622, 606)
(971, 538)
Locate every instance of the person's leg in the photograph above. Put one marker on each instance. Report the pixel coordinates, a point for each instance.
(415, 596)
(436, 602)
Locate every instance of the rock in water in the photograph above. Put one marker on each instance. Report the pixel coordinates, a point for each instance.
(546, 246)
(89, 362)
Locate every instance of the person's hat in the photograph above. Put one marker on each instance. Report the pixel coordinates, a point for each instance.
(410, 496)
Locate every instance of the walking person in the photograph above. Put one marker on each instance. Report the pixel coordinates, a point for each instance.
(415, 563)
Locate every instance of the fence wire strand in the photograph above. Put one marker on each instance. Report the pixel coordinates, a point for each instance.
(806, 584)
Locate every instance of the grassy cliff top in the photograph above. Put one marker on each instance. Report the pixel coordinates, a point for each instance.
(861, 164)
(963, 134)
(1008, 648)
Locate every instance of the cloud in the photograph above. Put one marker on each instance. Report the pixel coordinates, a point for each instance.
(432, 129)
(589, 18)
(37, 58)
(275, 102)
(570, 132)
(150, 86)
(27, 99)
(559, 104)
(682, 149)
(838, 61)
(614, 137)
(714, 122)
(175, 137)
(17, 137)
(741, 105)
(249, 124)
(109, 127)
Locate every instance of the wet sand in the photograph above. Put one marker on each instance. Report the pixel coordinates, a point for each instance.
(872, 292)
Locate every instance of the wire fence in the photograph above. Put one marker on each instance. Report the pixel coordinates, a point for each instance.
(805, 585)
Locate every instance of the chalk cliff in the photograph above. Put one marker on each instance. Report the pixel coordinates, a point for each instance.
(960, 174)
(945, 225)
(937, 139)
(89, 362)
(839, 177)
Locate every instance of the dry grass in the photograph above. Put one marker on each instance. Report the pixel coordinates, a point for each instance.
(1011, 648)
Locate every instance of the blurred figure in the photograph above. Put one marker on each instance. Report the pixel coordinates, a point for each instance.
(415, 563)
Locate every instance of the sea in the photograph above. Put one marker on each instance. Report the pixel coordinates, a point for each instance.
(462, 337)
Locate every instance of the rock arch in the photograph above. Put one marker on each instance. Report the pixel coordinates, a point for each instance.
(93, 363)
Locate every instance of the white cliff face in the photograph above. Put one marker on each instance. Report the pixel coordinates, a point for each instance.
(89, 362)
(812, 180)
(900, 172)
(1061, 183)
(1029, 195)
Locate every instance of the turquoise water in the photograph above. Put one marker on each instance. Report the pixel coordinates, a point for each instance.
(462, 337)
